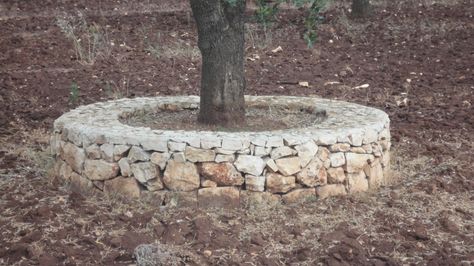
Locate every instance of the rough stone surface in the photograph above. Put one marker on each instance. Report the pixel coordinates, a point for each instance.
(352, 142)
(299, 195)
(336, 175)
(330, 191)
(357, 182)
(255, 183)
(100, 169)
(144, 171)
(219, 197)
(74, 156)
(160, 159)
(277, 183)
(138, 155)
(258, 199)
(199, 155)
(288, 166)
(250, 164)
(313, 174)
(337, 159)
(124, 167)
(180, 176)
(80, 183)
(224, 174)
(122, 186)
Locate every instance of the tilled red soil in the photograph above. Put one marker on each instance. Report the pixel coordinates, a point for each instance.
(417, 58)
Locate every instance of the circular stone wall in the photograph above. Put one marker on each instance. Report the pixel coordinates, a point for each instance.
(348, 152)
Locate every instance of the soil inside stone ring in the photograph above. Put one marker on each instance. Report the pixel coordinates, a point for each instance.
(258, 118)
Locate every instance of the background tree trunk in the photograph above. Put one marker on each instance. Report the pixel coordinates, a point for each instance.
(361, 8)
(220, 26)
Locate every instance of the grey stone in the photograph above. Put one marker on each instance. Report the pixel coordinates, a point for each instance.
(337, 159)
(280, 152)
(107, 152)
(160, 159)
(120, 151)
(220, 158)
(93, 152)
(313, 174)
(73, 156)
(306, 152)
(176, 146)
(144, 171)
(124, 167)
(138, 155)
(249, 164)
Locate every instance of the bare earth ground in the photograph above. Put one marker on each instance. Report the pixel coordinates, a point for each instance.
(416, 56)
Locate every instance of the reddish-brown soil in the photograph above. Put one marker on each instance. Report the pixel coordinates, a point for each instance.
(416, 56)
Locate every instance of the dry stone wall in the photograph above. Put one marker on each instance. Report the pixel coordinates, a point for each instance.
(347, 153)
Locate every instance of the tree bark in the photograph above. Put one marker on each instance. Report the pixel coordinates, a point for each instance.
(361, 8)
(220, 25)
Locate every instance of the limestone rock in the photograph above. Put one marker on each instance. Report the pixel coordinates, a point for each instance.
(356, 162)
(199, 155)
(272, 165)
(160, 159)
(323, 154)
(254, 199)
(282, 152)
(124, 167)
(122, 186)
(154, 184)
(306, 152)
(176, 146)
(210, 142)
(277, 183)
(249, 164)
(262, 151)
(219, 197)
(157, 143)
(274, 142)
(208, 183)
(358, 150)
(330, 191)
(73, 156)
(181, 176)
(232, 144)
(299, 195)
(326, 139)
(356, 138)
(120, 151)
(336, 175)
(288, 166)
(100, 169)
(138, 155)
(374, 173)
(107, 152)
(224, 174)
(313, 174)
(340, 147)
(385, 144)
(179, 157)
(337, 159)
(221, 158)
(93, 152)
(144, 171)
(254, 183)
(367, 148)
(357, 182)
(259, 141)
(224, 151)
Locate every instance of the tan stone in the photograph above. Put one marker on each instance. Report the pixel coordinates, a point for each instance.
(356, 162)
(340, 147)
(120, 151)
(357, 182)
(180, 176)
(137, 154)
(107, 152)
(145, 171)
(283, 151)
(154, 184)
(160, 159)
(248, 164)
(179, 157)
(312, 175)
(224, 174)
(124, 167)
(336, 175)
(73, 156)
(299, 195)
(100, 169)
(80, 183)
(176, 146)
(93, 152)
(272, 165)
(262, 151)
(277, 183)
(219, 197)
(358, 150)
(306, 152)
(254, 199)
(337, 159)
(181, 199)
(199, 155)
(288, 166)
(367, 148)
(255, 183)
(386, 159)
(208, 183)
(323, 154)
(385, 144)
(221, 158)
(374, 173)
(330, 191)
(123, 186)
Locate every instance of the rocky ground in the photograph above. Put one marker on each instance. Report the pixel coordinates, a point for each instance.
(415, 56)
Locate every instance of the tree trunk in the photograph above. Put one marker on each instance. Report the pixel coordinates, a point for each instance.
(220, 26)
(361, 8)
